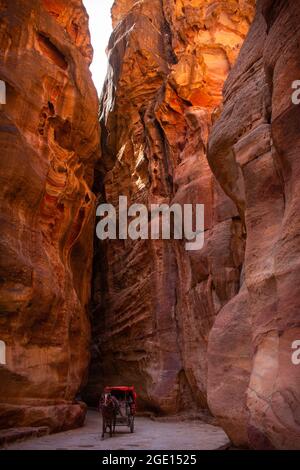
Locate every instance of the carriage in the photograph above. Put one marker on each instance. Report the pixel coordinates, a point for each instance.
(126, 397)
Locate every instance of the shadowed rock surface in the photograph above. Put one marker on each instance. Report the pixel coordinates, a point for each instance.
(163, 307)
(253, 386)
(154, 303)
(207, 330)
(49, 140)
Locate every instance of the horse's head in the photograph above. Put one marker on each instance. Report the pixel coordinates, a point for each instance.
(106, 399)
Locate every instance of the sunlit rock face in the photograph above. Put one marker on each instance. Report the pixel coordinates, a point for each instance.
(154, 303)
(253, 385)
(49, 139)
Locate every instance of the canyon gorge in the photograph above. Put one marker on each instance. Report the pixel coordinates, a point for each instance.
(196, 108)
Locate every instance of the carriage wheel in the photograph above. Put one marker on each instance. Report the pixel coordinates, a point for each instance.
(132, 424)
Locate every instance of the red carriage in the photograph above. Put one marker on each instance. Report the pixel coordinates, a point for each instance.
(126, 397)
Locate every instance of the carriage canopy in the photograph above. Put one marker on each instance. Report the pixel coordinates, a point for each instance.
(122, 392)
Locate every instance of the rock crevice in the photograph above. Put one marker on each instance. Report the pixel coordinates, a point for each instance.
(167, 65)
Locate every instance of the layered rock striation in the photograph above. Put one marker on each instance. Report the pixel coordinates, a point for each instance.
(210, 329)
(154, 303)
(253, 384)
(49, 141)
(213, 328)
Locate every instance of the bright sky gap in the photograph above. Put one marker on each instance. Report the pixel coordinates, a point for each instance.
(101, 29)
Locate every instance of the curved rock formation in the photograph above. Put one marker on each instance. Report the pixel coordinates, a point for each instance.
(49, 140)
(209, 329)
(153, 302)
(253, 386)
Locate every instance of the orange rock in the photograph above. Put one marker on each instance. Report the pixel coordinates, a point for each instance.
(154, 304)
(253, 385)
(49, 141)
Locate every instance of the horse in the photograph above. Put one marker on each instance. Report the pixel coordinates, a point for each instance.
(109, 406)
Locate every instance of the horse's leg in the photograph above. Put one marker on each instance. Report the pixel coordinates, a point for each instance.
(111, 427)
(103, 427)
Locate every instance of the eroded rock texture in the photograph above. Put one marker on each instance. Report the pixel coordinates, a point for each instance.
(253, 386)
(154, 303)
(49, 139)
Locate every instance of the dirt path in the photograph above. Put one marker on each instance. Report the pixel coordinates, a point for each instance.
(149, 435)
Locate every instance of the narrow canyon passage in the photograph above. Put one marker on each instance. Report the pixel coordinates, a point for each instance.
(196, 108)
(154, 303)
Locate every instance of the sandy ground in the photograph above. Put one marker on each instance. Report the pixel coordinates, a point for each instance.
(148, 435)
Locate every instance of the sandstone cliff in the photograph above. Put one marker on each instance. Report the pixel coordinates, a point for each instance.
(214, 328)
(153, 302)
(49, 139)
(210, 329)
(253, 386)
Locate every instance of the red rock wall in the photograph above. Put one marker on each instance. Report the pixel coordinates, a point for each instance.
(253, 386)
(49, 140)
(156, 308)
(154, 303)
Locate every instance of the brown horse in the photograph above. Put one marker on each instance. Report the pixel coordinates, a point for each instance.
(109, 406)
